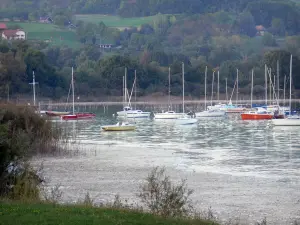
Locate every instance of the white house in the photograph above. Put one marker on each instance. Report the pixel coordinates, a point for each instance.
(13, 35)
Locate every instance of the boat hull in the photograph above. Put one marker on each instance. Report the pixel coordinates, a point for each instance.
(287, 122)
(134, 114)
(211, 114)
(165, 116)
(56, 113)
(118, 128)
(186, 121)
(79, 116)
(246, 116)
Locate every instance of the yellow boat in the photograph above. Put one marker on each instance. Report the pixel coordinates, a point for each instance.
(120, 126)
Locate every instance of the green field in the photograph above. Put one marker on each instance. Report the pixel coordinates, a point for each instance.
(48, 32)
(46, 214)
(115, 21)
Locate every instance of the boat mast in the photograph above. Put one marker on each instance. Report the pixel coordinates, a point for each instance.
(169, 91)
(291, 64)
(73, 107)
(33, 85)
(205, 77)
(226, 90)
(135, 90)
(266, 85)
(237, 86)
(278, 92)
(270, 85)
(123, 91)
(183, 87)
(218, 85)
(284, 83)
(212, 88)
(251, 87)
(125, 86)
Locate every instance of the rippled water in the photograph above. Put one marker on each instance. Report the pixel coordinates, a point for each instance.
(241, 169)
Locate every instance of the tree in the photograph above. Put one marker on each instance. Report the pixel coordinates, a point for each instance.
(245, 24)
(268, 39)
(278, 27)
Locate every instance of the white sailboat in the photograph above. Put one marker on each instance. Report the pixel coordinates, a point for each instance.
(185, 119)
(169, 114)
(212, 112)
(291, 120)
(127, 111)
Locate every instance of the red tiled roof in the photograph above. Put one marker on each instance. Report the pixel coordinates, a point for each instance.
(3, 26)
(259, 28)
(10, 33)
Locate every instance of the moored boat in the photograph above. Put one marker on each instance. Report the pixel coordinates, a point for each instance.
(211, 113)
(56, 113)
(258, 114)
(120, 126)
(168, 115)
(79, 116)
(130, 113)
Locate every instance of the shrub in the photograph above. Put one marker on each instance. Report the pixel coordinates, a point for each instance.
(164, 198)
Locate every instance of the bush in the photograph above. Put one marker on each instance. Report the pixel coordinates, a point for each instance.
(23, 133)
(164, 198)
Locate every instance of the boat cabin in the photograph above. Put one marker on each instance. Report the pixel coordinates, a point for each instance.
(127, 108)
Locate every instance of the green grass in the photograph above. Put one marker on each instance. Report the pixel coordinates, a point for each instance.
(115, 21)
(39, 31)
(46, 214)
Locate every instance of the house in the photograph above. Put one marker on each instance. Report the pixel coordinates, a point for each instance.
(2, 27)
(45, 20)
(13, 35)
(260, 30)
(105, 45)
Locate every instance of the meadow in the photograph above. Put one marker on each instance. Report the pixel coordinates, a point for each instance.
(115, 21)
(46, 214)
(48, 32)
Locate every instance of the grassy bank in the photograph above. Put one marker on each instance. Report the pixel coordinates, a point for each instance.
(48, 32)
(37, 214)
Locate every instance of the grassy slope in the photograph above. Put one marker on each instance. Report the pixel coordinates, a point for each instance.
(43, 214)
(41, 31)
(115, 21)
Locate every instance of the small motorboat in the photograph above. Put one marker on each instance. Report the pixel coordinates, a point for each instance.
(120, 126)
(186, 120)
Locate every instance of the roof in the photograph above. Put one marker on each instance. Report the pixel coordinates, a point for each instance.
(10, 33)
(260, 28)
(3, 26)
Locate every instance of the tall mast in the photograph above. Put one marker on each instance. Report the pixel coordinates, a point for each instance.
(182, 87)
(205, 77)
(252, 87)
(33, 85)
(237, 85)
(125, 86)
(274, 90)
(73, 98)
(218, 85)
(270, 85)
(226, 90)
(284, 83)
(278, 92)
(212, 88)
(169, 91)
(135, 90)
(123, 91)
(291, 65)
(266, 85)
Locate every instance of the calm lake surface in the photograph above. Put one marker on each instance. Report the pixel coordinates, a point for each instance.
(247, 170)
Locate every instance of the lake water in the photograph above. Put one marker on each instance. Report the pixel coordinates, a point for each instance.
(248, 170)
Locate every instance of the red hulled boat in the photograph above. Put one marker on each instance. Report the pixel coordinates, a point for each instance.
(258, 114)
(79, 116)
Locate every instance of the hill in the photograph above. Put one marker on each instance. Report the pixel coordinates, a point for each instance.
(46, 214)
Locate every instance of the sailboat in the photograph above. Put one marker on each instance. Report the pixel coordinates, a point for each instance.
(258, 113)
(290, 120)
(76, 116)
(127, 110)
(170, 114)
(210, 112)
(185, 119)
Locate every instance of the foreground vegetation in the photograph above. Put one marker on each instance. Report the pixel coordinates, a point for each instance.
(36, 214)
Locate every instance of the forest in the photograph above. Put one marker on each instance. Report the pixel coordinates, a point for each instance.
(240, 34)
